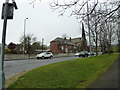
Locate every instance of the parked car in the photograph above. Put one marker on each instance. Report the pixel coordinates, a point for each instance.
(99, 53)
(92, 53)
(84, 54)
(77, 54)
(44, 55)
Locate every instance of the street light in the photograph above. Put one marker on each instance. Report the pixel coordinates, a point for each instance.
(42, 43)
(24, 35)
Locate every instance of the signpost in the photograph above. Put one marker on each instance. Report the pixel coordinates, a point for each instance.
(7, 13)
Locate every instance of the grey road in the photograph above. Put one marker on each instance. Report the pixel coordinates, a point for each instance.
(15, 66)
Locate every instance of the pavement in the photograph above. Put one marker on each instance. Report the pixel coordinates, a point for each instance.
(109, 80)
(11, 57)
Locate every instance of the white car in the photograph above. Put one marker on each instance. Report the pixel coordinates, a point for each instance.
(44, 55)
(77, 54)
(92, 53)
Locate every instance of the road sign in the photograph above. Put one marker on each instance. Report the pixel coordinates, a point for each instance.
(10, 11)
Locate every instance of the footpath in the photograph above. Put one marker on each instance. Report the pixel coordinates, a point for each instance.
(110, 79)
(10, 57)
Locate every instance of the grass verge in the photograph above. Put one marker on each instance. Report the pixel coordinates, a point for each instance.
(76, 73)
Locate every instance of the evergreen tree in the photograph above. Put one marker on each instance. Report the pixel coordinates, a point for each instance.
(84, 42)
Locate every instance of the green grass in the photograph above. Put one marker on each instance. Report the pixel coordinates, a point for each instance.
(76, 73)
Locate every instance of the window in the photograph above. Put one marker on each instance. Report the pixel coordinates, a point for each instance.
(48, 53)
(62, 47)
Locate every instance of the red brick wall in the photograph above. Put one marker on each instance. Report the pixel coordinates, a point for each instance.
(54, 47)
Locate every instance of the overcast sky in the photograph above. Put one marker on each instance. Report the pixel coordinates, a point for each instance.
(42, 22)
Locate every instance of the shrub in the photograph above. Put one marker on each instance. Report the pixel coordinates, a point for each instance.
(7, 51)
(13, 51)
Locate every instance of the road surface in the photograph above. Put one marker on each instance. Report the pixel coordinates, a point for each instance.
(15, 66)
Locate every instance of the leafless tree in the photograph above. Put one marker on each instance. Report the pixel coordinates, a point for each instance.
(104, 13)
(32, 2)
(77, 7)
(27, 41)
(102, 16)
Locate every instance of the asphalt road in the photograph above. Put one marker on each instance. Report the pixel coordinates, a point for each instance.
(15, 66)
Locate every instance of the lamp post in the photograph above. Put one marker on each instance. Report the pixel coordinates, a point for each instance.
(42, 44)
(24, 35)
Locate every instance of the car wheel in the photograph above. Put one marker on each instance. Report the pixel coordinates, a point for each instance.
(43, 57)
(37, 57)
(51, 56)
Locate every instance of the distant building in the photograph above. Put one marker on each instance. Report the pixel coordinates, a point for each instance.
(62, 45)
(81, 44)
(76, 41)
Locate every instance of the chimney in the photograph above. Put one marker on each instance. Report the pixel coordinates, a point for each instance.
(64, 38)
(70, 39)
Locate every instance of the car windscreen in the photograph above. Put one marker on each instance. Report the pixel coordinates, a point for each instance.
(43, 53)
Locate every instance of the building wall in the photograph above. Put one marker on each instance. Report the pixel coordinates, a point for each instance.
(57, 47)
(54, 47)
(77, 41)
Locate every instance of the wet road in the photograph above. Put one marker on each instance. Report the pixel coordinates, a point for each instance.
(15, 66)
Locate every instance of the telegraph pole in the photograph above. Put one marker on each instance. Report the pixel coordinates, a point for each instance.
(7, 13)
(24, 35)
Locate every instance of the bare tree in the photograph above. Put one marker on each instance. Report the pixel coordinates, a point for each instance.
(102, 17)
(32, 2)
(27, 41)
(102, 28)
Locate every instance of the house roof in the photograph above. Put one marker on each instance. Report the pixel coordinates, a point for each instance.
(62, 41)
(75, 40)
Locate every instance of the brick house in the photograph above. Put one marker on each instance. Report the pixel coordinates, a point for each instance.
(60, 45)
